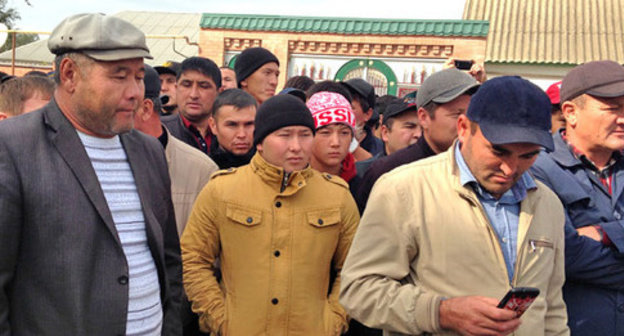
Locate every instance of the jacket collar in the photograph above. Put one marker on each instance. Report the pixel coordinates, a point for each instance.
(275, 176)
(562, 153)
(527, 205)
(64, 138)
(424, 146)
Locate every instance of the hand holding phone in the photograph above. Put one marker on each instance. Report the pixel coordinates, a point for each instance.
(519, 299)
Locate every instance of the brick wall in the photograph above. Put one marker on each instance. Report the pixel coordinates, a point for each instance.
(215, 42)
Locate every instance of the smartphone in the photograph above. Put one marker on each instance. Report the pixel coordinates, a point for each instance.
(463, 64)
(519, 299)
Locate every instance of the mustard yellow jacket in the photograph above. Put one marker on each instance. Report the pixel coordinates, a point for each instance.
(277, 239)
(424, 236)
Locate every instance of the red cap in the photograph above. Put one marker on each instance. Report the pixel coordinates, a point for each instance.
(553, 93)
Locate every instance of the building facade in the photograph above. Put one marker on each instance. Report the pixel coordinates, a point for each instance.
(393, 55)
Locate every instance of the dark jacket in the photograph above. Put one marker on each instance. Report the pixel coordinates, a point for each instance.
(417, 151)
(177, 128)
(62, 267)
(594, 288)
(362, 166)
(371, 143)
(226, 159)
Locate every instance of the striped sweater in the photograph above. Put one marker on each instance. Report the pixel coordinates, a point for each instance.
(111, 166)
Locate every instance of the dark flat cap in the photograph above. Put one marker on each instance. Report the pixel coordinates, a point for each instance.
(598, 78)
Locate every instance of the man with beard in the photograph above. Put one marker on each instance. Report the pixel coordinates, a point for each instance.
(89, 243)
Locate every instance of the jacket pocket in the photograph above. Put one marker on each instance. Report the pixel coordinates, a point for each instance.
(534, 244)
(323, 218)
(246, 217)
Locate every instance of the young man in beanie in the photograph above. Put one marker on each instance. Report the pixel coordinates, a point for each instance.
(168, 74)
(442, 98)
(407, 271)
(198, 84)
(257, 71)
(586, 171)
(89, 243)
(335, 134)
(278, 243)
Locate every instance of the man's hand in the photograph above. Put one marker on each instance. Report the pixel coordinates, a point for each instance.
(590, 231)
(478, 72)
(477, 315)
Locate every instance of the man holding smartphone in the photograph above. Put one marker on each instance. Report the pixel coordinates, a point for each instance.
(443, 239)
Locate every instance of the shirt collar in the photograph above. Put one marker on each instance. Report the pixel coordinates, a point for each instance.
(585, 160)
(516, 194)
(194, 129)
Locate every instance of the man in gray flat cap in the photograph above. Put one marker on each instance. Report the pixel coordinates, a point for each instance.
(89, 243)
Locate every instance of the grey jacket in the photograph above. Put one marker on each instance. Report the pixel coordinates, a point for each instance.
(62, 267)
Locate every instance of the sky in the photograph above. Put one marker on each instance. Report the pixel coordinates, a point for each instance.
(44, 15)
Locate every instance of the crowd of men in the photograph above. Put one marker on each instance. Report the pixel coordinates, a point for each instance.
(193, 199)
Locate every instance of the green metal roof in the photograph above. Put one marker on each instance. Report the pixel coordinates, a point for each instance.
(349, 26)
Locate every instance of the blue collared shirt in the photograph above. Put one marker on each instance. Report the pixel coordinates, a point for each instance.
(503, 213)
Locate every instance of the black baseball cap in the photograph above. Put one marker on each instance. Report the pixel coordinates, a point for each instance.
(169, 67)
(397, 108)
(510, 109)
(363, 88)
(152, 85)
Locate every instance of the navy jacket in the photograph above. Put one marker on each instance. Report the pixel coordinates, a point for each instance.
(594, 289)
(371, 143)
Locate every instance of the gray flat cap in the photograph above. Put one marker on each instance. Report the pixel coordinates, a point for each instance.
(444, 86)
(101, 37)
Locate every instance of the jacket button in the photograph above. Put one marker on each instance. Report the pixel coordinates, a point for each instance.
(249, 220)
(123, 280)
(621, 308)
(276, 253)
(278, 204)
(275, 301)
(320, 221)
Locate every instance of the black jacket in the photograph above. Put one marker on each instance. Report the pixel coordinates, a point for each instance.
(226, 159)
(417, 151)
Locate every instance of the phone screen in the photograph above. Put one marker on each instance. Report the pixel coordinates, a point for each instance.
(519, 299)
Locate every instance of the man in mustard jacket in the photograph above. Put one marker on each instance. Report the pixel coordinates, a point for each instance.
(278, 227)
(443, 239)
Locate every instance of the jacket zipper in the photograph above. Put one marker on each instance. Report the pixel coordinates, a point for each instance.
(285, 181)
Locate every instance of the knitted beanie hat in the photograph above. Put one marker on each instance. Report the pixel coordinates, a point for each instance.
(250, 60)
(281, 111)
(330, 108)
